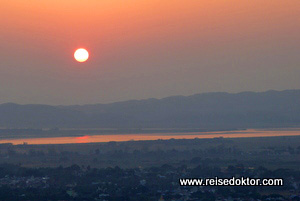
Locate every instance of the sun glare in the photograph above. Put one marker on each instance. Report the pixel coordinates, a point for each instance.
(81, 55)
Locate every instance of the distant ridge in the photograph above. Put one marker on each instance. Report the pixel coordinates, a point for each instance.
(206, 110)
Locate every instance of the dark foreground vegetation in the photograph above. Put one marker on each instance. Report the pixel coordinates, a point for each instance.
(149, 170)
(138, 184)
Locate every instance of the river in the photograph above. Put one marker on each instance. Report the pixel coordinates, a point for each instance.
(155, 136)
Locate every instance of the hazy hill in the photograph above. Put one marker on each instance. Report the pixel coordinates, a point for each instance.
(207, 110)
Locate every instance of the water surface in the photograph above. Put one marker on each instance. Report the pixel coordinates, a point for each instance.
(155, 136)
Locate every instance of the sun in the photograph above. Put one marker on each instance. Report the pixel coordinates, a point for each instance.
(81, 55)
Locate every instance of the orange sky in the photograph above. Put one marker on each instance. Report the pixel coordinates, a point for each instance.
(141, 48)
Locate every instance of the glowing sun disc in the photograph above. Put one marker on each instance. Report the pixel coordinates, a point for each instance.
(81, 55)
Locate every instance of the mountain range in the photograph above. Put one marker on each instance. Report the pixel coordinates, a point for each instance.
(207, 110)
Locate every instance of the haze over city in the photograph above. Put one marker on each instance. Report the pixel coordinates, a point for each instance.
(149, 100)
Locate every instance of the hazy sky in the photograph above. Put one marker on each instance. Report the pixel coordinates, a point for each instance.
(145, 48)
